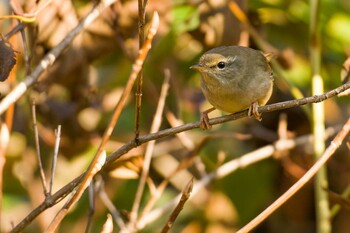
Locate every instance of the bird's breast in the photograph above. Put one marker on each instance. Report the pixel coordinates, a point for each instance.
(225, 97)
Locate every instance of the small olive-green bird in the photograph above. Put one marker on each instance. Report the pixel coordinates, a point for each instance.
(235, 78)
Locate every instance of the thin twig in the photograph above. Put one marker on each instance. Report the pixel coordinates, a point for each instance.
(91, 206)
(109, 204)
(63, 212)
(55, 156)
(149, 151)
(51, 57)
(186, 141)
(337, 207)
(26, 17)
(184, 197)
(156, 194)
(184, 164)
(291, 167)
(37, 148)
(14, 30)
(335, 144)
(183, 137)
(241, 16)
(141, 23)
(64, 191)
(188, 144)
(47, 203)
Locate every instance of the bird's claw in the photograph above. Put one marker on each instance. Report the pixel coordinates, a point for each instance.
(204, 121)
(253, 111)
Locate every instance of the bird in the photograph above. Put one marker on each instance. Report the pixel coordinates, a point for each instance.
(235, 78)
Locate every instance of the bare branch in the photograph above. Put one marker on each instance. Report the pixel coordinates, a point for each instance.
(141, 24)
(55, 155)
(47, 203)
(64, 191)
(337, 207)
(100, 155)
(149, 150)
(87, 178)
(51, 57)
(219, 120)
(91, 206)
(109, 204)
(37, 147)
(231, 166)
(337, 141)
(184, 197)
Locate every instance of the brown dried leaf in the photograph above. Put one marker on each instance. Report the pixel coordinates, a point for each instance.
(7, 59)
(108, 226)
(127, 168)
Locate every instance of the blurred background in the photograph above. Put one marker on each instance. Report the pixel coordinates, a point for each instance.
(79, 92)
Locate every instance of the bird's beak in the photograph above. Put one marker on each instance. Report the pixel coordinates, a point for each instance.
(198, 67)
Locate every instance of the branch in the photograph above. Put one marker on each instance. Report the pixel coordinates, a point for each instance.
(37, 147)
(64, 191)
(100, 154)
(109, 204)
(51, 57)
(335, 144)
(157, 120)
(138, 95)
(54, 157)
(184, 197)
(218, 120)
(231, 166)
(93, 170)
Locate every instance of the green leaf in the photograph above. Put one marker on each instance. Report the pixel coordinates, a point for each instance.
(185, 18)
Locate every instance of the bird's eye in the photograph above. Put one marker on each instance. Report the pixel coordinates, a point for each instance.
(221, 65)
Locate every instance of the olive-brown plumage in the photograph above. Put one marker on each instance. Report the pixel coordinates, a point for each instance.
(234, 78)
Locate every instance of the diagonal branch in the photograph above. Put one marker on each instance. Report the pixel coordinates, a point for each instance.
(184, 197)
(335, 144)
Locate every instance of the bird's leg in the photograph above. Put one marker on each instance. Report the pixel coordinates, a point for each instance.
(253, 111)
(204, 120)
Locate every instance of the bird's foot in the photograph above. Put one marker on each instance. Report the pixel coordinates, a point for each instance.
(253, 111)
(204, 120)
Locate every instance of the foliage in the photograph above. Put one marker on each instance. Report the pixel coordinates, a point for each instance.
(81, 89)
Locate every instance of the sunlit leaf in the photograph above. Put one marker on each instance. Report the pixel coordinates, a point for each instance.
(185, 18)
